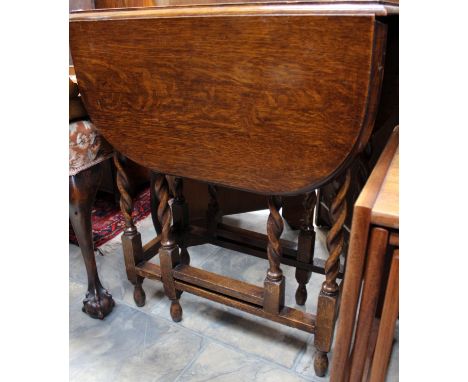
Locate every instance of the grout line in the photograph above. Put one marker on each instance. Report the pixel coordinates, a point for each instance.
(210, 255)
(216, 340)
(253, 356)
(301, 353)
(206, 338)
(194, 359)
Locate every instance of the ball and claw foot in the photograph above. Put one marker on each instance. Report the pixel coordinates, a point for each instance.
(320, 363)
(139, 295)
(176, 311)
(98, 303)
(301, 295)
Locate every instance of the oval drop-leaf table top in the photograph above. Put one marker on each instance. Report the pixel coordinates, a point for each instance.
(260, 97)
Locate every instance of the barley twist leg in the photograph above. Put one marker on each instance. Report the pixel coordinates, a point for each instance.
(213, 213)
(169, 251)
(328, 298)
(131, 238)
(180, 219)
(274, 282)
(305, 247)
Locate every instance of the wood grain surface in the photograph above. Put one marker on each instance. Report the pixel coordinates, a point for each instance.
(383, 347)
(386, 210)
(353, 7)
(356, 259)
(270, 104)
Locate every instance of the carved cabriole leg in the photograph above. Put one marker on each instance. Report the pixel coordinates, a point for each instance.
(131, 238)
(169, 251)
(305, 247)
(180, 219)
(213, 214)
(273, 300)
(98, 302)
(328, 298)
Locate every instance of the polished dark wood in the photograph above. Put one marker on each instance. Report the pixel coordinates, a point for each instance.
(230, 287)
(82, 191)
(277, 103)
(123, 3)
(353, 7)
(138, 178)
(213, 212)
(169, 250)
(83, 186)
(287, 316)
(131, 238)
(258, 112)
(306, 246)
(228, 291)
(386, 119)
(274, 284)
(328, 298)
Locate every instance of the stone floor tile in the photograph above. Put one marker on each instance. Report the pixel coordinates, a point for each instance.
(267, 339)
(128, 345)
(220, 363)
(111, 267)
(305, 366)
(253, 270)
(131, 344)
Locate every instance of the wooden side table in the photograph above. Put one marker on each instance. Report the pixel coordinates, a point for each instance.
(374, 233)
(278, 103)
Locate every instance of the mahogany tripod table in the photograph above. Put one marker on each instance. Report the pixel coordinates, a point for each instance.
(275, 99)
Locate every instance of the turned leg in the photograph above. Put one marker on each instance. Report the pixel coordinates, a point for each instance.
(213, 214)
(305, 247)
(131, 238)
(169, 251)
(83, 187)
(154, 204)
(180, 218)
(321, 216)
(328, 297)
(274, 282)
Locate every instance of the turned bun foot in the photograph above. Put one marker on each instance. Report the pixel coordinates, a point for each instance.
(139, 295)
(176, 311)
(301, 295)
(320, 363)
(98, 303)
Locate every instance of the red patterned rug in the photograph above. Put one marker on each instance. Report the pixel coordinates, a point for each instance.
(108, 221)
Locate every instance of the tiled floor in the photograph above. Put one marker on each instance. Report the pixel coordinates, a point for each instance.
(211, 343)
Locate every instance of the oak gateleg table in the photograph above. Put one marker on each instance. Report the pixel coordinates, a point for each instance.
(272, 98)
